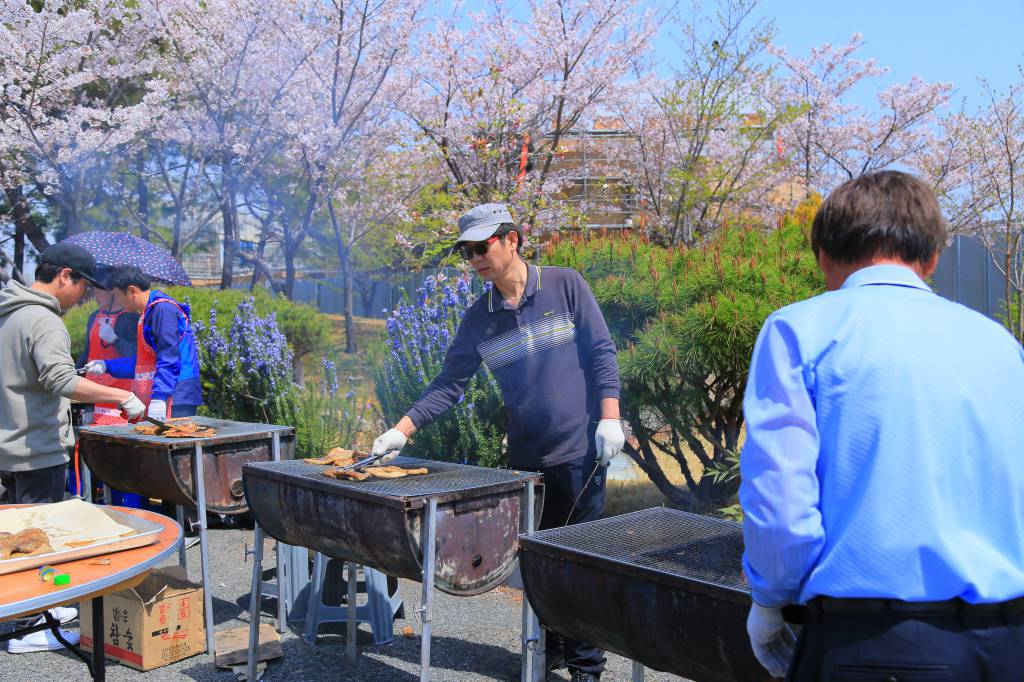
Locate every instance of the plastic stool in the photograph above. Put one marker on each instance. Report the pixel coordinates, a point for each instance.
(380, 610)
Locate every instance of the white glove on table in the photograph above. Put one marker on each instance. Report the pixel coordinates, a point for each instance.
(157, 410)
(106, 332)
(609, 439)
(95, 367)
(771, 639)
(392, 439)
(133, 408)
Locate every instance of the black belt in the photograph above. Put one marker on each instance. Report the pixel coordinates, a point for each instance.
(833, 606)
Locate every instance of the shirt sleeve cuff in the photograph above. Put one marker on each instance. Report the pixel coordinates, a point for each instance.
(772, 599)
(608, 392)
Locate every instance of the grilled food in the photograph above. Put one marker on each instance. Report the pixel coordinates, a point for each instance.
(29, 542)
(181, 427)
(366, 473)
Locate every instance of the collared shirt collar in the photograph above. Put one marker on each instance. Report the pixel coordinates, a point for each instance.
(495, 303)
(897, 275)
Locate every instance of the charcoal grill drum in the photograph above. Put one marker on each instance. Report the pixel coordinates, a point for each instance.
(378, 523)
(659, 586)
(161, 468)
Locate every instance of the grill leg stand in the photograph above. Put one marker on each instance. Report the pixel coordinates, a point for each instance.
(179, 515)
(254, 602)
(638, 671)
(86, 483)
(315, 589)
(350, 629)
(426, 609)
(283, 595)
(204, 545)
(532, 664)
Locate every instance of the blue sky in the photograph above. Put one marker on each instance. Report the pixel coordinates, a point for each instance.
(940, 40)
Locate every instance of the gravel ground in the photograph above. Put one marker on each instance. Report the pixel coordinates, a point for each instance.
(474, 638)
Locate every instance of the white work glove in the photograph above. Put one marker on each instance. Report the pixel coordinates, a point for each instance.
(771, 639)
(96, 367)
(157, 410)
(106, 332)
(609, 439)
(390, 440)
(133, 408)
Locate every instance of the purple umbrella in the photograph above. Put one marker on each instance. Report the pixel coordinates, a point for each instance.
(121, 248)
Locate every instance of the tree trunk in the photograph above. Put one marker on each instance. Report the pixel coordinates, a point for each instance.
(23, 219)
(143, 191)
(229, 218)
(350, 322)
(19, 249)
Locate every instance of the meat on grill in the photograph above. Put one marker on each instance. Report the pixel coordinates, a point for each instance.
(181, 427)
(373, 472)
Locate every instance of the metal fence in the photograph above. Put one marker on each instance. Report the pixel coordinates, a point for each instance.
(967, 275)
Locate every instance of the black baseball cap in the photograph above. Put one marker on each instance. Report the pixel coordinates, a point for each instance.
(75, 257)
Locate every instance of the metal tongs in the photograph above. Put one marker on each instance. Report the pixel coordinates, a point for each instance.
(163, 427)
(367, 461)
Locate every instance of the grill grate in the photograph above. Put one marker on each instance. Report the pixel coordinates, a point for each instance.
(668, 541)
(226, 430)
(444, 478)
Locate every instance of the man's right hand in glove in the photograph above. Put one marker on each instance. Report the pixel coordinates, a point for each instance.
(770, 638)
(132, 407)
(95, 367)
(389, 443)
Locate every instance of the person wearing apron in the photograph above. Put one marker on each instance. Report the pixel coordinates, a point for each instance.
(165, 369)
(110, 333)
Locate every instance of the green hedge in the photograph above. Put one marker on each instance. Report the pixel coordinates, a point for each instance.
(307, 330)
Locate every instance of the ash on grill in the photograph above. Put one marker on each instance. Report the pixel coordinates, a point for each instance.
(660, 586)
(467, 517)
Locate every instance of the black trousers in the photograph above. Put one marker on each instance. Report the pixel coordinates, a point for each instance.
(563, 486)
(941, 648)
(33, 487)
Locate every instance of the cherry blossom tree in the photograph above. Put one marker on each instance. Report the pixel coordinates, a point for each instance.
(704, 141)
(507, 91)
(234, 68)
(343, 129)
(833, 139)
(976, 163)
(76, 90)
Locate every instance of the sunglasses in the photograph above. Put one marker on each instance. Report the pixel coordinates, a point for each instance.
(470, 249)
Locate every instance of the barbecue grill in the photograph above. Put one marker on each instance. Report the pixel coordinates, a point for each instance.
(660, 586)
(159, 467)
(169, 469)
(455, 527)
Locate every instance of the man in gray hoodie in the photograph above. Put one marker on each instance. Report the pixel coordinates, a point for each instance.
(37, 376)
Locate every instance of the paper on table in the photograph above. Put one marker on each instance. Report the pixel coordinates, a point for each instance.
(68, 524)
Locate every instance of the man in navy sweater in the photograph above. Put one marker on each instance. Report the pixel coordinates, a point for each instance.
(540, 332)
(165, 368)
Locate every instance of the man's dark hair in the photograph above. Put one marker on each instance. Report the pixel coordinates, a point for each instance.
(503, 231)
(47, 272)
(888, 214)
(127, 275)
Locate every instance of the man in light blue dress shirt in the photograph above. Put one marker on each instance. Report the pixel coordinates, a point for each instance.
(883, 471)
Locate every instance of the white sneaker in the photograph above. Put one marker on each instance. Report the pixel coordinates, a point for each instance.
(40, 641)
(62, 614)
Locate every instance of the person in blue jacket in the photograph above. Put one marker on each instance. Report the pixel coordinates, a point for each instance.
(165, 369)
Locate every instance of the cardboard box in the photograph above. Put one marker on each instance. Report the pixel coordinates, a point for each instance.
(158, 622)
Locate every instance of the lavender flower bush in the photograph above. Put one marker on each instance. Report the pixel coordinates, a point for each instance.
(247, 376)
(247, 372)
(418, 335)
